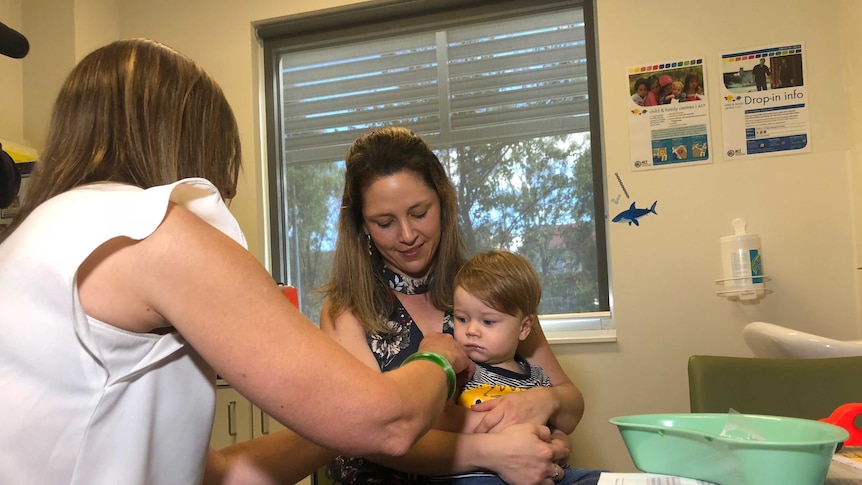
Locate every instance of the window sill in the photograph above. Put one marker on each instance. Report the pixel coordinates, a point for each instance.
(579, 328)
(581, 336)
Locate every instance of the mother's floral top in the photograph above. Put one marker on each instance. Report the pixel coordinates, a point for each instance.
(390, 350)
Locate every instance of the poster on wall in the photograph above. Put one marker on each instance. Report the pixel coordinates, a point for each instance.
(668, 114)
(764, 102)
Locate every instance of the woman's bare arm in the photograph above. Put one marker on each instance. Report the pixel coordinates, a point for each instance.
(191, 276)
(281, 457)
(521, 454)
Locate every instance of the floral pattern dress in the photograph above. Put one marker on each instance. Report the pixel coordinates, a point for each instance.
(390, 350)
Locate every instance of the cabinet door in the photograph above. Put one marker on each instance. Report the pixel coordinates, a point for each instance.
(264, 424)
(236, 420)
(232, 422)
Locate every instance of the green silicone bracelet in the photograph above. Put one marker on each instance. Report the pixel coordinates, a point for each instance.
(438, 359)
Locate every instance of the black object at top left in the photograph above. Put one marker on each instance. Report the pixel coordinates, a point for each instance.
(12, 43)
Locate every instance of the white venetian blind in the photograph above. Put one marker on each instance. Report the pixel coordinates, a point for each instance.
(496, 80)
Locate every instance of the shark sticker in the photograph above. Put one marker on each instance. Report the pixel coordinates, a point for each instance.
(632, 214)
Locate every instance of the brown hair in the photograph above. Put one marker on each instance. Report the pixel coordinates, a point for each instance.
(136, 112)
(356, 283)
(504, 281)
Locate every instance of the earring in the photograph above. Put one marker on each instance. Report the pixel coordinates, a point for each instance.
(368, 239)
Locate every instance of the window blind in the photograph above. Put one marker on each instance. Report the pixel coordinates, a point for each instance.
(454, 86)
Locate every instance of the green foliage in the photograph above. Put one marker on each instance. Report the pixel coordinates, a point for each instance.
(313, 200)
(533, 197)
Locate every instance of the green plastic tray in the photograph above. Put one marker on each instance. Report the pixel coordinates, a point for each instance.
(793, 451)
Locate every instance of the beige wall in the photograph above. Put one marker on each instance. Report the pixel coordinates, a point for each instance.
(11, 80)
(852, 73)
(663, 272)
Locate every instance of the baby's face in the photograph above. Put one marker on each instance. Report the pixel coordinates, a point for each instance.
(642, 90)
(488, 335)
(676, 90)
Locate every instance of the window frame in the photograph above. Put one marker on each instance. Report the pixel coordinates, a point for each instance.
(358, 21)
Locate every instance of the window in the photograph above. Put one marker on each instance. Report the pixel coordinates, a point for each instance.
(501, 91)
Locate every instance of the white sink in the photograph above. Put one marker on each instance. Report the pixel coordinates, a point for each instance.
(774, 341)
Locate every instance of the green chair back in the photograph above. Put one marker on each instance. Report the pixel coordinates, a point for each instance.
(799, 388)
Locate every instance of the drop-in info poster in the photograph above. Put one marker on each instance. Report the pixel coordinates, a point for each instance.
(765, 102)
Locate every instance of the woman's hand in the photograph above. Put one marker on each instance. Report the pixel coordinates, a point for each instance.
(531, 406)
(446, 346)
(563, 441)
(525, 454)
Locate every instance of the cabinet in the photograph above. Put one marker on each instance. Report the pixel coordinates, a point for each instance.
(237, 419)
(262, 423)
(232, 422)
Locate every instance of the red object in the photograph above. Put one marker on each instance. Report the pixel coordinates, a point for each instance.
(291, 294)
(845, 417)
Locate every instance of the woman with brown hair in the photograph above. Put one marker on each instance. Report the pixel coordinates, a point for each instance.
(125, 286)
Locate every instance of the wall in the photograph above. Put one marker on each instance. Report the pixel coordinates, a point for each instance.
(12, 80)
(60, 32)
(852, 71)
(663, 272)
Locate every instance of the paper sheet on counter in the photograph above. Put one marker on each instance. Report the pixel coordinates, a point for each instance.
(646, 479)
(850, 456)
(841, 472)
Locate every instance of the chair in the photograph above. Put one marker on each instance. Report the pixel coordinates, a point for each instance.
(799, 388)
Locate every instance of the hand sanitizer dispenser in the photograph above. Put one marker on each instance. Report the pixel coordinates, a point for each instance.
(742, 264)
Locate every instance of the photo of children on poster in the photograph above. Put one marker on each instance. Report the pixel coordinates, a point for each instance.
(668, 114)
(764, 102)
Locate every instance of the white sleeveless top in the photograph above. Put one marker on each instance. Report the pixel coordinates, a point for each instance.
(84, 402)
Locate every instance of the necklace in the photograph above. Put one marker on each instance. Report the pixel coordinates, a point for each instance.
(406, 284)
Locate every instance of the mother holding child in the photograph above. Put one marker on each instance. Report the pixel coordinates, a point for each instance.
(398, 251)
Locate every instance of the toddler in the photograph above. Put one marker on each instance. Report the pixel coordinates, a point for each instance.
(496, 302)
(676, 94)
